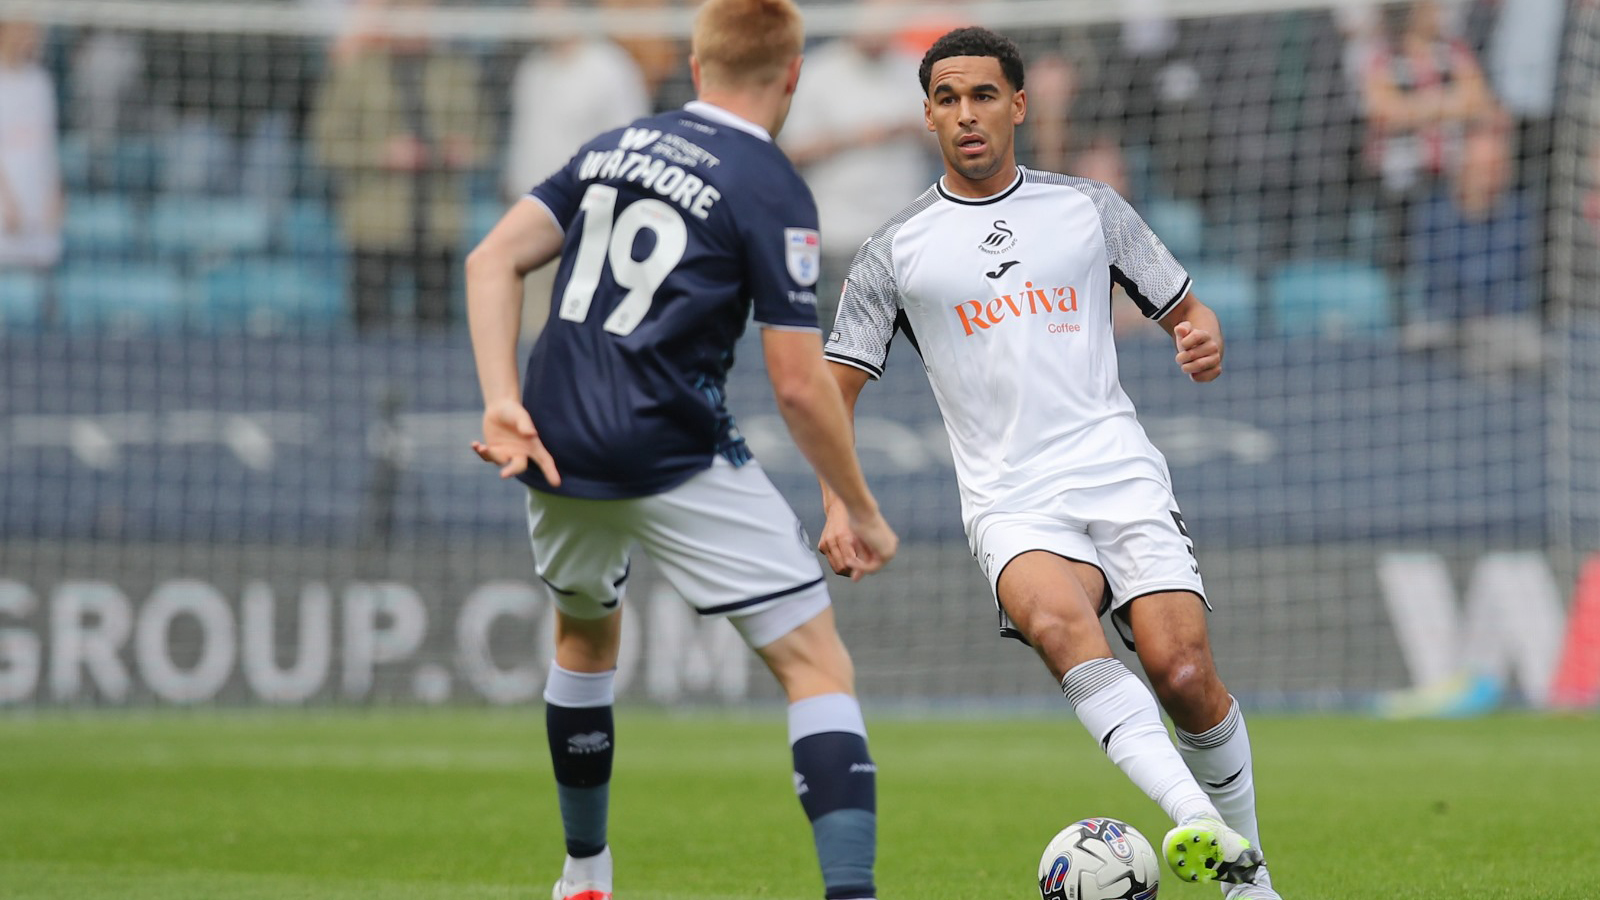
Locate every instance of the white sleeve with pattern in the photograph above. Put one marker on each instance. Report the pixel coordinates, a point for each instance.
(1139, 261)
(868, 309)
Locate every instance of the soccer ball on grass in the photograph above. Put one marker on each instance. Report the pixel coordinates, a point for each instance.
(1099, 859)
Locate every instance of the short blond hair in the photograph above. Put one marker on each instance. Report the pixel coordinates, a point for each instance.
(741, 42)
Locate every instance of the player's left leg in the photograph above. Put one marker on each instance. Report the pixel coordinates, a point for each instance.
(1169, 631)
(833, 772)
(729, 544)
(1159, 610)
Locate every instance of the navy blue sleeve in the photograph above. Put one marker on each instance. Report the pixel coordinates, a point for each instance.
(562, 192)
(783, 254)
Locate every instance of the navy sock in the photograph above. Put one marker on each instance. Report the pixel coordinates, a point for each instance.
(582, 744)
(837, 783)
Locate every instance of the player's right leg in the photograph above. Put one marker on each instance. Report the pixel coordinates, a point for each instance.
(1047, 599)
(578, 697)
(580, 554)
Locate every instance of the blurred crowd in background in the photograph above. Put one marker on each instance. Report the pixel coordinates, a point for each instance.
(1380, 169)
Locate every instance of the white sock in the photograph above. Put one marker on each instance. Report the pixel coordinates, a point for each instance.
(1220, 760)
(1122, 715)
(591, 871)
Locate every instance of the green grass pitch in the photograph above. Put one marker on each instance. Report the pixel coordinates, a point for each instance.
(459, 804)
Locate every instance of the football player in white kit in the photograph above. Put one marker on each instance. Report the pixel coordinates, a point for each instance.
(1001, 277)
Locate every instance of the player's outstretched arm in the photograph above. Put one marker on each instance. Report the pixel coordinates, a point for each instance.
(836, 542)
(526, 238)
(809, 400)
(1198, 334)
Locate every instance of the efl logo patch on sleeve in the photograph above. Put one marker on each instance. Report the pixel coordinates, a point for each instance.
(803, 254)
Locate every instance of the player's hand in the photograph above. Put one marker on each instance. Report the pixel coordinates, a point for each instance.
(875, 544)
(838, 543)
(1199, 352)
(510, 441)
(857, 546)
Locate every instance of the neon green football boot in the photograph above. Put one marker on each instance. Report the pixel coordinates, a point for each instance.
(1206, 849)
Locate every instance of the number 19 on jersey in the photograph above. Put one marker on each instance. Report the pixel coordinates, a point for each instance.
(608, 235)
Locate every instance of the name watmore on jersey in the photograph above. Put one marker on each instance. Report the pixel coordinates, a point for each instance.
(661, 172)
(1008, 301)
(677, 227)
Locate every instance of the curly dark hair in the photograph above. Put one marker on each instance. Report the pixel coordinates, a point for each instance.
(974, 41)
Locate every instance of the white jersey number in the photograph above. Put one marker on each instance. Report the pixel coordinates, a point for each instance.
(606, 234)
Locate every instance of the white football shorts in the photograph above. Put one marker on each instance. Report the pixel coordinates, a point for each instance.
(725, 540)
(1130, 530)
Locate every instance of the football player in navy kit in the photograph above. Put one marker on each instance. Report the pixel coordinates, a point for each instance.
(668, 233)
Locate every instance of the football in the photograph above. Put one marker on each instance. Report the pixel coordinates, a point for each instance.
(1099, 859)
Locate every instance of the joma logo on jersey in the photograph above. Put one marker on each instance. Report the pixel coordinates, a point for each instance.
(1000, 239)
(976, 315)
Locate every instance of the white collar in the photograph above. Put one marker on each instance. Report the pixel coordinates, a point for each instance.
(721, 116)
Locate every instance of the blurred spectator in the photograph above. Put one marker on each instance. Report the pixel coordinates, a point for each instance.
(1053, 85)
(1152, 87)
(1472, 243)
(398, 125)
(360, 26)
(107, 94)
(1101, 159)
(1064, 133)
(562, 93)
(228, 108)
(1523, 57)
(856, 132)
(1246, 119)
(1360, 26)
(662, 61)
(1423, 89)
(31, 203)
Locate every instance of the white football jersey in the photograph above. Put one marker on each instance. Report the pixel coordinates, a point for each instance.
(1008, 301)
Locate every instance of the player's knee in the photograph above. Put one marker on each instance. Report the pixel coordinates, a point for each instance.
(1064, 632)
(1186, 680)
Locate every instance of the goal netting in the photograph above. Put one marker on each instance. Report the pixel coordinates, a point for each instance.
(236, 390)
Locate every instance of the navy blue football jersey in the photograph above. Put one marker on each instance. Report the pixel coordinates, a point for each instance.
(675, 226)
